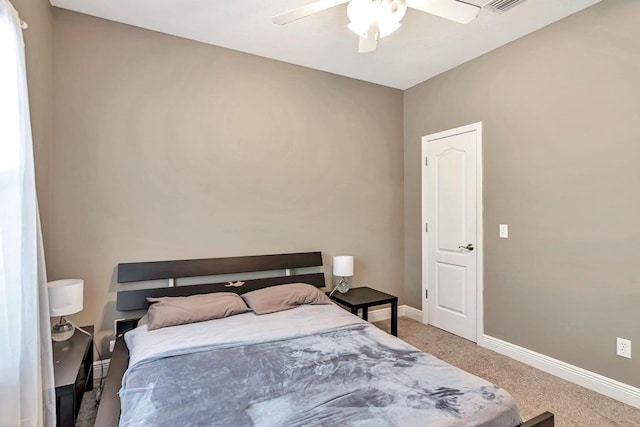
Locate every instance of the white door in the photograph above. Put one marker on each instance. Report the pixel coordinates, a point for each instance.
(451, 242)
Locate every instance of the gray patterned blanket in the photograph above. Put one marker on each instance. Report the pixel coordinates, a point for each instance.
(348, 376)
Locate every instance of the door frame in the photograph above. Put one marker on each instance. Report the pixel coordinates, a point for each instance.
(479, 229)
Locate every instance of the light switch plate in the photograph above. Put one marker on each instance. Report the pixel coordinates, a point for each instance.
(504, 231)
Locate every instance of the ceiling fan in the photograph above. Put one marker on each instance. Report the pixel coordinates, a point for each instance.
(374, 19)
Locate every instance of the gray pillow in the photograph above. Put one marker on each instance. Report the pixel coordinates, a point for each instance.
(284, 297)
(173, 311)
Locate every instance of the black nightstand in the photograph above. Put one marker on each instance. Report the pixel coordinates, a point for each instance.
(73, 373)
(363, 298)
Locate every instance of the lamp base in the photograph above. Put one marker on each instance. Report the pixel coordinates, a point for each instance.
(62, 331)
(343, 286)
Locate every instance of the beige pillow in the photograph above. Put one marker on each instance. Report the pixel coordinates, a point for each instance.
(144, 320)
(173, 311)
(284, 297)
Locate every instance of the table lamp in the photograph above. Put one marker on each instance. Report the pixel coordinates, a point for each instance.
(342, 267)
(65, 298)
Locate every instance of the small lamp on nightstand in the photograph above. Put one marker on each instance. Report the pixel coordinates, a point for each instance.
(342, 267)
(65, 298)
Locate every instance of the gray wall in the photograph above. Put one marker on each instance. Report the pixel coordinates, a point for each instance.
(561, 150)
(39, 57)
(167, 148)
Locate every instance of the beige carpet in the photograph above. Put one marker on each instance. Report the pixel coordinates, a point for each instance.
(534, 390)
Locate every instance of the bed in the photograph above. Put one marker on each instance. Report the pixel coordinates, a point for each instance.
(314, 365)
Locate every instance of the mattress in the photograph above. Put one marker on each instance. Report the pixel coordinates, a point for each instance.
(315, 365)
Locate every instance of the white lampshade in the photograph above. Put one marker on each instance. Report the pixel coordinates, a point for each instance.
(343, 265)
(65, 297)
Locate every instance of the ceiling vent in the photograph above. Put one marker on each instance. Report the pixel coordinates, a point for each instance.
(501, 6)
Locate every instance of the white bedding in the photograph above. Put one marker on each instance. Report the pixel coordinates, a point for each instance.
(145, 345)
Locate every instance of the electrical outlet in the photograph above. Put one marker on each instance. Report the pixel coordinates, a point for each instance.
(623, 348)
(504, 231)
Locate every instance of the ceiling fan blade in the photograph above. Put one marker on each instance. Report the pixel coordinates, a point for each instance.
(450, 9)
(304, 11)
(370, 42)
(366, 45)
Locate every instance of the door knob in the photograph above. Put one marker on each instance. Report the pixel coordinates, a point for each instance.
(469, 247)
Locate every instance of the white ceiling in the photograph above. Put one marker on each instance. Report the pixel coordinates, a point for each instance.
(423, 47)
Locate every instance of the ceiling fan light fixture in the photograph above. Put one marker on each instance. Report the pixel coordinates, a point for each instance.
(361, 10)
(386, 13)
(372, 20)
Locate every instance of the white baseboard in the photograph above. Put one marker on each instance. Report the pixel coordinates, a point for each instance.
(403, 310)
(596, 382)
(410, 312)
(380, 314)
(97, 372)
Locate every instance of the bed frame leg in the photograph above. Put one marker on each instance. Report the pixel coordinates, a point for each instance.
(545, 419)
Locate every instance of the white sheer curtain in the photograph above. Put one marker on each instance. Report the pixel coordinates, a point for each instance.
(27, 396)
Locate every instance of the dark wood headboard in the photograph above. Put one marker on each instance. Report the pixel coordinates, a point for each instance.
(141, 271)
